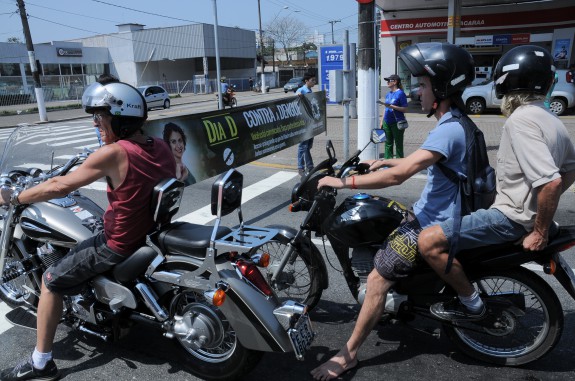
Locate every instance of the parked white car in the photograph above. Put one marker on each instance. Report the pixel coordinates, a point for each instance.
(156, 96)
(481, 97)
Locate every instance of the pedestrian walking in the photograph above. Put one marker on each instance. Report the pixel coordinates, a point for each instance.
(304, 159)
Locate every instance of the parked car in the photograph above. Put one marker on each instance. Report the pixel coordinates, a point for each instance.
(414, 94)
(156, 96)
(481, 97)
(293, 84)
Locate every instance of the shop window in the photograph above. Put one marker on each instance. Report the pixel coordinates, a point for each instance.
(10, 69)
(51, 69)
(66, 69)
(77, 69)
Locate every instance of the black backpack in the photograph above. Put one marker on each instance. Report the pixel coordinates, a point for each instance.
(477, 190)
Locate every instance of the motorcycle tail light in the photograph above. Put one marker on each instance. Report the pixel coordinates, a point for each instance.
(250, 271)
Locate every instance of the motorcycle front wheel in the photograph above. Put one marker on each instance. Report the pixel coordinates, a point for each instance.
(300, 279)
(524, 319)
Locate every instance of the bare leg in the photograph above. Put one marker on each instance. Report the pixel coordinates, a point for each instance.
(49, 315)
(434, 249)
(369, 315)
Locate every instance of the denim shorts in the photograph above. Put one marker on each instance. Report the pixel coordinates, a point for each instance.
(484, 227)
(91, 257)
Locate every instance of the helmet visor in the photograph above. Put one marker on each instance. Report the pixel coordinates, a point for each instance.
(96, 96)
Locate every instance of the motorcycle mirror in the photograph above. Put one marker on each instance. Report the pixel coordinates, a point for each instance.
(378, 135)
(329, 149)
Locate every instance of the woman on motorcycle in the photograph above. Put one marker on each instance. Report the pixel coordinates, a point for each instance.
(132, 164)
(437, 65)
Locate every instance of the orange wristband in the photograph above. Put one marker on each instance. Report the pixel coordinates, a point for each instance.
(353, 182)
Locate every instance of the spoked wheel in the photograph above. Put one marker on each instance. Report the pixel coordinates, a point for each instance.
(300, 279)
(524, 319)
(205, 333)
(15, 292)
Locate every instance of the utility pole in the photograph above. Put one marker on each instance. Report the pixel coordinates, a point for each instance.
(32, 59)
(218, 70)
(263, 80)
(366, 78)
(333, 22)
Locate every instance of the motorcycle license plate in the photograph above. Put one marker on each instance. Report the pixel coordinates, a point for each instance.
(301, 336)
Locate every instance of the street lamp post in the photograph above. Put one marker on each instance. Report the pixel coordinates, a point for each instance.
(263, 76)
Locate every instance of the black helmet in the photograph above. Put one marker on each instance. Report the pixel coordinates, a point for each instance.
(125, 103)
(526, 68)
(449, 67)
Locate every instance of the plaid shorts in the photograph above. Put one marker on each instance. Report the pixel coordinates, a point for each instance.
(398, 254)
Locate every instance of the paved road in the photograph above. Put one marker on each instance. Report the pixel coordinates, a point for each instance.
(392, 352)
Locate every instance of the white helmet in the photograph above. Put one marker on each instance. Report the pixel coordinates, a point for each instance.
(119, 98)
(124, 102)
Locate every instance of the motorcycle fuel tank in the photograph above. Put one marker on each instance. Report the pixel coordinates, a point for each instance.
(64, 222)
(363, 219)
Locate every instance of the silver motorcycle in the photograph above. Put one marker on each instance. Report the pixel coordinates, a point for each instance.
(199, 285)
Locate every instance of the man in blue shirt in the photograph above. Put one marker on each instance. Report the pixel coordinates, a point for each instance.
(304, 160)
(443, 70)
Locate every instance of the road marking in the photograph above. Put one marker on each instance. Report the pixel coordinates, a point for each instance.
(4, 324)
(65, 137)
(204, 215)
(74, 141)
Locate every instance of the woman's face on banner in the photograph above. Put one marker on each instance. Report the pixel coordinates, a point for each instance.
(177, 144)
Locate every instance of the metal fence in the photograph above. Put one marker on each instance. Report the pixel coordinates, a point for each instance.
(67, 90)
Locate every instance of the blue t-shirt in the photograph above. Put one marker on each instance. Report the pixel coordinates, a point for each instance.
(224, 87)
(396, 98)
(438, 197)
(303, 90)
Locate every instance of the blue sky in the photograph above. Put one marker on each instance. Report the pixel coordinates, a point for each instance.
(68, 19)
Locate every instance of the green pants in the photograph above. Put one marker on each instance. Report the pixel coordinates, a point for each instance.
(393, 135)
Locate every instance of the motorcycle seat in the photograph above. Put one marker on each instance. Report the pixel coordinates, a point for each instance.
(188, 239)
(135, 265)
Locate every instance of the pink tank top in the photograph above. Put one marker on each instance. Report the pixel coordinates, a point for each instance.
(128, 218)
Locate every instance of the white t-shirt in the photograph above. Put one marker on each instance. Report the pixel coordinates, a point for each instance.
(535, 149)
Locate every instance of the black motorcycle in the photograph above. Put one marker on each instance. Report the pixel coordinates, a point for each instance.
(200, 285)
(524, 319)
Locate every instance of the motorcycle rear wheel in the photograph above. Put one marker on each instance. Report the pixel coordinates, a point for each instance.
(222, 356)
(299, 281)
(525, 333)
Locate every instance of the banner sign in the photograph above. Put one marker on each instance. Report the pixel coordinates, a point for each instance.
(557, 17)
(210, 143)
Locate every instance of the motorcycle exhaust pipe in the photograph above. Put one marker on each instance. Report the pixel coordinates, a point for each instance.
(150, 301)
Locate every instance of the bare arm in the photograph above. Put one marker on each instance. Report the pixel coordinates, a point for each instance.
(398, 108)
(401, 170)
(547, 201)
(106, 162)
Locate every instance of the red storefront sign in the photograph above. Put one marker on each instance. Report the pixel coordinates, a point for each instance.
(487, 23)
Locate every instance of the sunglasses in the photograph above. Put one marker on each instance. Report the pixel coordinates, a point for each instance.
(97, 117)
